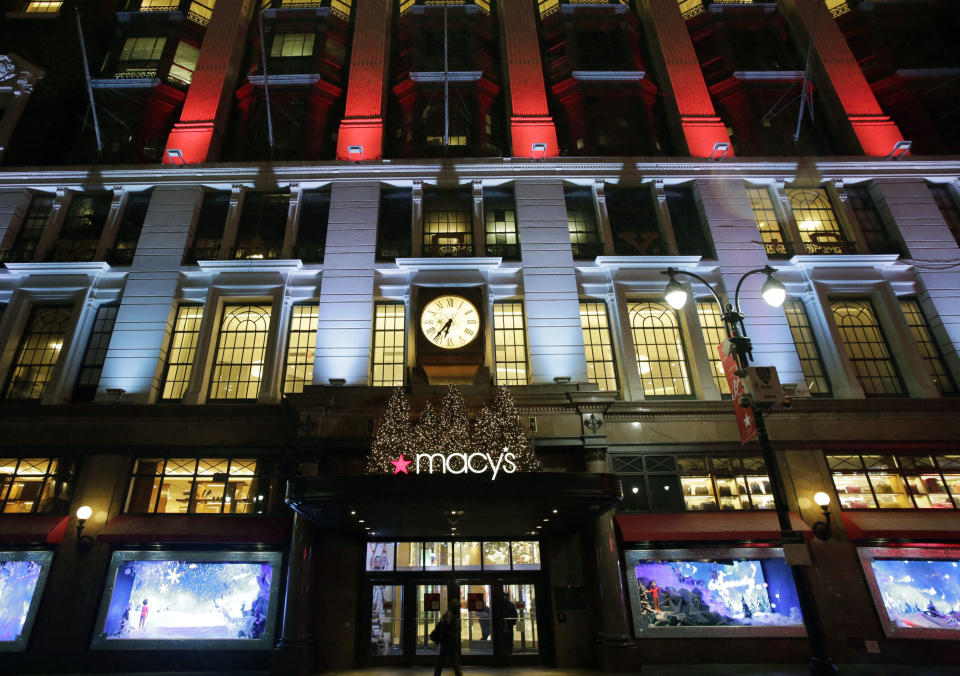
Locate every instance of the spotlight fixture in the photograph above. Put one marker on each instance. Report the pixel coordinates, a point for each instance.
(355, 150)
(561, 380)
(175, 154)
(720, 148)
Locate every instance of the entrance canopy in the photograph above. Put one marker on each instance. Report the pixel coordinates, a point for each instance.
(412, 506)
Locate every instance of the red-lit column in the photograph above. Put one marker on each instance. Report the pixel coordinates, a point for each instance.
(199, 132)
(701, 126)
(530, 120)
(363, 118)
(842, 77)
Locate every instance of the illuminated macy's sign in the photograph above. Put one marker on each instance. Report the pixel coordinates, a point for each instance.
(456, 463)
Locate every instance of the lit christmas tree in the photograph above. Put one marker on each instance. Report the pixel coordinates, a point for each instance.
(454, 427)
(512, 437)
(392, 435)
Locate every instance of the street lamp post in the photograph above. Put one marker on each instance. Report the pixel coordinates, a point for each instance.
(773, 293)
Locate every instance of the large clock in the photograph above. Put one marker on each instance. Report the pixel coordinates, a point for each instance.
(450, 322)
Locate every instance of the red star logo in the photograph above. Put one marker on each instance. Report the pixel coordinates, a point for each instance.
(400, 465)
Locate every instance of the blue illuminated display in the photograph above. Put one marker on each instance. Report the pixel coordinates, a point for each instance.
(920, 594)
(18, 582)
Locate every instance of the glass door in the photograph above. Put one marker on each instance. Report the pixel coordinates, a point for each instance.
(431, 604)
(386, 620)
(476, 620)
(519, 631)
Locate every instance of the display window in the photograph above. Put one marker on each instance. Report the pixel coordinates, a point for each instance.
(713, 592)
(916, 590)
(189, 600)
(440, 556)
(896, 481)
(23, 575)
(386, 628)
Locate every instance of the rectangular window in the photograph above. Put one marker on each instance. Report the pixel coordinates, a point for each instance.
(633, 221)
(688, 226)
(312, 230)
(201, 12)
(96, 353)
(263, 222)
(510, 343)
(896, 481)
(932, 357)
(820, 230)
(80, 233)
(866, 346)
(768, 224)
(143, 49)
(389, 340)
(35, 485)
(661, 356)
(690, 8)
(241, 351)
(208, 233)
(301, 346)
(43, 7)
(196, 486)
(598, 345)
(292, 44)
(447, 223)
(181, 351)
(876, 235)
(396, 215)
(837, 7)
(810, 361)
(38, 353)
(585, 237)
(711, 325)
(158, 5)
(129, 229)
(500, 223)
(184, 63)
(31, 230)
(947, 205)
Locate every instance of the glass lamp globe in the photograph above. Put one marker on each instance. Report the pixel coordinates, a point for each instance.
(821, 498)
(773, 292)
(84, 513)
(675, 294)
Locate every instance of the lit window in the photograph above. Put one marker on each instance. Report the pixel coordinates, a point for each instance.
(35, 485)
(547, 7)
(866, 347)
(500, 223)
(837, 7)
(405, 5)
(159, 5)
(819, 228)
(389, 355)
(201, 12)
(96, 353)
(447, 224)
(884, 481)
(932, 358)
(142, 49)
(598, 346)
(241, 352)
(767, 222)
(948, 208)
(810, 361)
(43, 7)
(341, 8)
(661, 358)
(38, 353)
(582, 222)
(184, 62)
(690, 8)
(292, 44)
(711, 325)
(301, 346)
(181, 351)
(510, 344)
(196, 486)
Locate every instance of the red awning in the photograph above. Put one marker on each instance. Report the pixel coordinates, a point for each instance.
(28, 528)
(705, 526)
(217, 529)
(914, 523)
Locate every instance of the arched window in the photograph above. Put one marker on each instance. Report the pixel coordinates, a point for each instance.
(241, 350)
(866, 347)
(38, 353)
(661, 357)
(819, 228)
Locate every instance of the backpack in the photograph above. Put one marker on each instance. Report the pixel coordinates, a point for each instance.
(437, 634)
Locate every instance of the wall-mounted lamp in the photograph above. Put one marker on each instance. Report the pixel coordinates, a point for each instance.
(355, 150)
(84, 542)
(561, 380)
(900, 148)
(538, 148)
(175, 155)
(719, 151)
(822, 528)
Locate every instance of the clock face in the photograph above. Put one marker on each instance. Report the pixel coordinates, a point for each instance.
(450, 322)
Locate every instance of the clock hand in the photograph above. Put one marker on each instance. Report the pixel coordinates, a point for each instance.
(445, 328)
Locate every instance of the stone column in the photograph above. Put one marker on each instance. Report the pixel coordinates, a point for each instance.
(203, 120)
(295, 644)
(109, 234)
(682, 78)
(530, 120)
(366, 90)
(838, 74)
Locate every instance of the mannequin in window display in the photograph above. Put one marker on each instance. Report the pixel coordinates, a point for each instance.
(655, 595)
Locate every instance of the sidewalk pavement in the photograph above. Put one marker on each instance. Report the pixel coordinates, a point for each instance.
(672, 670)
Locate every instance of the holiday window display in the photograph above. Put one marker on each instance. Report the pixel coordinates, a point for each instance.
(712, 593)
(22, 576)
(916, 590)
(174, 599)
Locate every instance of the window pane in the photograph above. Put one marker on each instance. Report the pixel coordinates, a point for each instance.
(176, 496)
(890, 491)
(466, 555)
(96, 353)
(819, 228)
(496, 556)
(861, 334)
(380, 555)
(386, 620)
(510, 343)
(929, 491)
(711, 325)
(447, 223)
(438, 555)
(633, 221)
(43, 7)
(688, 226)
(292, 44)
(500, 223)
(698, 493)
(598, 346)
(807, 350)
(34, 485)
(184, 62)
(301, 346)
(389, 335)
(928, 348)
(38, 353)
(854, 491)
(181, 351)
(582, 223)
(143, 49)
(241, 350)
(409, 556)
(526, 555)
(767, 222)
(661, 358)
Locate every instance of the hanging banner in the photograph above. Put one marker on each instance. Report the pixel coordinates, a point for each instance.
(745, 422)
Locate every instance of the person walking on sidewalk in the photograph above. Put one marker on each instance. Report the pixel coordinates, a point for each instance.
(448, 631)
